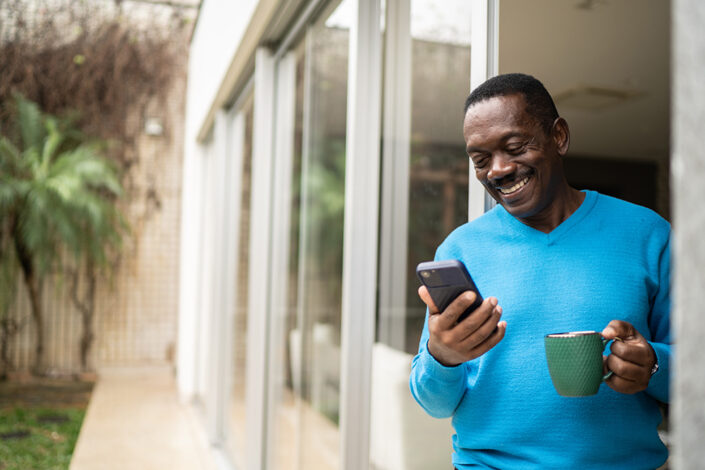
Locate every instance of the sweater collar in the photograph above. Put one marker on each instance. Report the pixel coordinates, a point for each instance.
(575, 218)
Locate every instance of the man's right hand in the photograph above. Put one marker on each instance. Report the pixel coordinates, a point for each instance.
(452, 343)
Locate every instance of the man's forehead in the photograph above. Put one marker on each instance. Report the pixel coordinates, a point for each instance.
(502, 110)
(514, 104)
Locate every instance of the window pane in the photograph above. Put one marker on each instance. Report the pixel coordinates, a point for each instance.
(306, 415)
(438, 198)
(434, 184)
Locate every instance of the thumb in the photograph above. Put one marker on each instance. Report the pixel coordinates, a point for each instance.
(426, 297)
(618, 329)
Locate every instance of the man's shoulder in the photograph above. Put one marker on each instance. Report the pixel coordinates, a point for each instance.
(487, 222)
(478, 231)
(626, 211)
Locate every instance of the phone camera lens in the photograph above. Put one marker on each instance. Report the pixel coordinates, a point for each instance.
(425, 274)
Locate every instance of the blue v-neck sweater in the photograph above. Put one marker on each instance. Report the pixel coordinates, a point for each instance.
(609, 260)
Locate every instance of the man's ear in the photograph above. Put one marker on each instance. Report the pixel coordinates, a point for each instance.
(561, 135)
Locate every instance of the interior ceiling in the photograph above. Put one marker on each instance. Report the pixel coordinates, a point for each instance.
(607, 64)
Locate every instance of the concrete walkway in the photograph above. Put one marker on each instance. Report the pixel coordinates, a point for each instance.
(135, 421)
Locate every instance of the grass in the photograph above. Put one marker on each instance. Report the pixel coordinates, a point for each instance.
(38, 438)
(39, 423)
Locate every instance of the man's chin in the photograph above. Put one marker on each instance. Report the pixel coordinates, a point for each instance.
(516, 209)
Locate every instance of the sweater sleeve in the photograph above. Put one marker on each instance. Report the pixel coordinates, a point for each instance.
(437, 388)
(659, 317)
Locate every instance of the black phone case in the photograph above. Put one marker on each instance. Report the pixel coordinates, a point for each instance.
(456, 280)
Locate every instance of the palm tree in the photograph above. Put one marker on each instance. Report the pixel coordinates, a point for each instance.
(9, 326)
(57, 196)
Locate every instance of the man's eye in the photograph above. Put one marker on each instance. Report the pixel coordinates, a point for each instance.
(479, 161)
(516, 149)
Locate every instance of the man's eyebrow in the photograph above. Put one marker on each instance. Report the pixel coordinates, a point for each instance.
(503, 139)
(473, 149)
(511, 135)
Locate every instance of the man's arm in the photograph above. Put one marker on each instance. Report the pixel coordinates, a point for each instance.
(438, 372)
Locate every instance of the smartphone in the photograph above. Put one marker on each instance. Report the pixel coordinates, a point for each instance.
(446, 280)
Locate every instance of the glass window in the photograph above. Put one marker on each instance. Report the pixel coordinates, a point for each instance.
(428, 182)
(439, 165)
(306, 411)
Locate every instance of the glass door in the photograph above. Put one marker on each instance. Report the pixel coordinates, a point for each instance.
(305, 411)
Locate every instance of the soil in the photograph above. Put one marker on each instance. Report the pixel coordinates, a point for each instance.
(45, 392)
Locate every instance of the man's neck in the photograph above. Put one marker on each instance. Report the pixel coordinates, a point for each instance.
(564, 204)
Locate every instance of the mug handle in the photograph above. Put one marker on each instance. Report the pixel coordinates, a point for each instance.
(604, 343)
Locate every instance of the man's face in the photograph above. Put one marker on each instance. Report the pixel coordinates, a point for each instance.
(517, 162)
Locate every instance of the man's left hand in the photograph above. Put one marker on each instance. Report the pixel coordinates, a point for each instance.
(631, 360)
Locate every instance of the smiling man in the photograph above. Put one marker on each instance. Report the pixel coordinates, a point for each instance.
(548, 258)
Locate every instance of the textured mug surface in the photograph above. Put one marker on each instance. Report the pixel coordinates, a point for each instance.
(575, 362)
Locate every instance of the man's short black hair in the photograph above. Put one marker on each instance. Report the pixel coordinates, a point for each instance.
(538, 101)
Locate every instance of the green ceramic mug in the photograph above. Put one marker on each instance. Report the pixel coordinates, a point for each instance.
(575, 362)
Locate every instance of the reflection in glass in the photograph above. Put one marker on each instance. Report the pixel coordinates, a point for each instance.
(440, 49)
(306, 413)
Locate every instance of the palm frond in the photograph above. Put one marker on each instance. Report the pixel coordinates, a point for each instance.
(31, 125)
(10, 157)
(52, 142)
(62, 192)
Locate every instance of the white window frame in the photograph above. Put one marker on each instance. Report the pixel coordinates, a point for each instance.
(230, 130)
(362, 172)
(259, 307)
(281, 224)
(484, 60)
(214, 280)
(204, 308)
(190, 270)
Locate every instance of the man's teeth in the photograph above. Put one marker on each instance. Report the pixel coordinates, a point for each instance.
(516, 187)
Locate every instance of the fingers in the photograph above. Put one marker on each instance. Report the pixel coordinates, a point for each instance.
(631, 360)
(627, 370)
(638, 352)
(478, 326)
(619, 329)
(456, 308)
(491, 341)
(452, 343)
(487, 315)
(622, 385)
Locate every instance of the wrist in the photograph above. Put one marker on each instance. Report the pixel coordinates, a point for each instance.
(439, 357)
(654, 366)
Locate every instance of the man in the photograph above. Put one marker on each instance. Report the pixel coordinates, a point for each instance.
(548, 258)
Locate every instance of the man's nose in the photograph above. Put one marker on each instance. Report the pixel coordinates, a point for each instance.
(500, 167)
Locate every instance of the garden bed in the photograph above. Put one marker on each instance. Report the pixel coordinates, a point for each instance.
(40, 420)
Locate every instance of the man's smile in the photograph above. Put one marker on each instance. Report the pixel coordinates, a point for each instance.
(513, 188)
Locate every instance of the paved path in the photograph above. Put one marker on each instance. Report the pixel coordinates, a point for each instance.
(135, 421)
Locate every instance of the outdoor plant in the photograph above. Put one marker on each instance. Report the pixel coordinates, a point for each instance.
(57, 203)
(111, 64)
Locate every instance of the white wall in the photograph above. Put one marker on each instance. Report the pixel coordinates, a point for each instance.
(220, 28)
(688, 166)
(217, 35)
